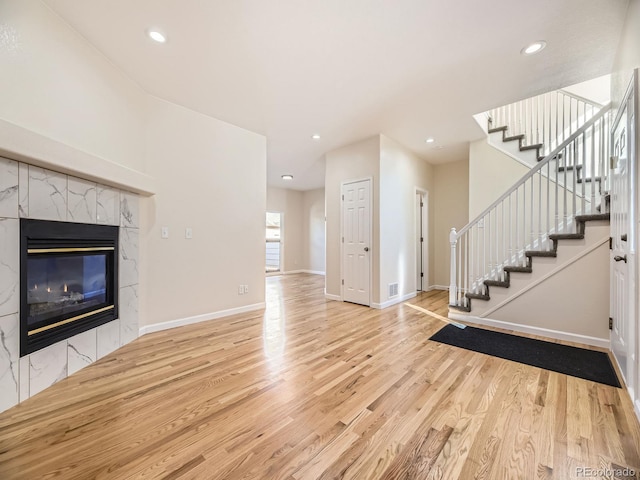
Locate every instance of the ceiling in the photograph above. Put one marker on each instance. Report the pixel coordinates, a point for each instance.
(350, 69)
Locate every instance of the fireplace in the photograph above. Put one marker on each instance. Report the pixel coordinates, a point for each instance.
(68, 280)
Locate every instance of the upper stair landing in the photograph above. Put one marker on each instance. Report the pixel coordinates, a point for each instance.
(530, 129)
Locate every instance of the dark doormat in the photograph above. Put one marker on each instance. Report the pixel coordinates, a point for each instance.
(574, 361)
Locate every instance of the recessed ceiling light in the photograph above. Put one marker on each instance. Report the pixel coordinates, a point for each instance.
(535, 47)
(287, 177)
(315, 136)
(430, 140)
(157, 36)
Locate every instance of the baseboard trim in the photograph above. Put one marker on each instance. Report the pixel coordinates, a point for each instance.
(314, 272)
(436, 287)
(336, 298)
(544, 332)
(394, 301)
(181, 322)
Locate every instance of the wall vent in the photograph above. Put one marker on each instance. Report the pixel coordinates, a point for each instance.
(393, 290)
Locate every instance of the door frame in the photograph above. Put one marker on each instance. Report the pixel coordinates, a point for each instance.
(424, 194)
(371, 242)
(635, 321)
(633, 342)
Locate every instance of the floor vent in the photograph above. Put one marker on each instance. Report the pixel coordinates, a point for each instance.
(393, 290)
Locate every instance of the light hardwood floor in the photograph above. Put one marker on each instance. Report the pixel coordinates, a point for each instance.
(313, 389)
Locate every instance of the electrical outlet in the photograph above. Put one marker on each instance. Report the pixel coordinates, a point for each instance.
(240, 289)
(246, 289)
(165, 232)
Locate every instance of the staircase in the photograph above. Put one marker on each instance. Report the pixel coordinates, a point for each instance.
(554, 203)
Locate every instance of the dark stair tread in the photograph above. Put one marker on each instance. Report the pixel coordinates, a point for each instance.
(537, 146)
(497, 283)
(497, 129)
(593, 217)
(540, 253)
(570, 167)
(513, 137)
(513, 268)
(590, 179)
(557, 157)
(479, 296)
(461, 307)
(566, 236)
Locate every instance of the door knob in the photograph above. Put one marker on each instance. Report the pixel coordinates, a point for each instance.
(366, 249)
(618, 258)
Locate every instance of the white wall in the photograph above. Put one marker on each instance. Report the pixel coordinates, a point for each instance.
(290, 204)
(451, 209)
(56, 84)
(313, 226)
(356, 161)
(628, 54)
(597, 89)
(491, 173)
(401, 172)
(211, 177)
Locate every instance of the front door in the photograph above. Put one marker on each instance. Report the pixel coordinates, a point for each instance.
(623, 238)
(356, 251)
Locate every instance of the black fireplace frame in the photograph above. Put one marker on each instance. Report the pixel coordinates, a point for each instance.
(65, 236)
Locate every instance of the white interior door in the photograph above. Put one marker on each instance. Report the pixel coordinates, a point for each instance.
(356, 251)
(623, 235)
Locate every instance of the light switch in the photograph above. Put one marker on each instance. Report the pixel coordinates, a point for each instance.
(165, 232)
(188, 233)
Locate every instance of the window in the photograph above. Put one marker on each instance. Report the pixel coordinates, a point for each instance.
(273, 237)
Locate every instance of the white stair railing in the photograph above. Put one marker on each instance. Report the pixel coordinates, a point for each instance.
(547, 120)
(572, 179)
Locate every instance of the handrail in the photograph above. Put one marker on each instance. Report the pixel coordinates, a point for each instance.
(538, 167)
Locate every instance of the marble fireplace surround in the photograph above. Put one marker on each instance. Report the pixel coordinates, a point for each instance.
(30, 191)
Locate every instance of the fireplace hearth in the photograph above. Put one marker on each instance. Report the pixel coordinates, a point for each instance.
(68, 280)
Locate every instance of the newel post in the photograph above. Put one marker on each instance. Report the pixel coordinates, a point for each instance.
(453, 288)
